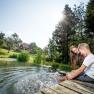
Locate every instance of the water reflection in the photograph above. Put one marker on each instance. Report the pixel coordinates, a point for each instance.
(25, 80)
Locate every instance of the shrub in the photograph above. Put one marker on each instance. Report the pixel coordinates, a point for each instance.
(38, 59)
(48, 59)
(13, 56)
(23, 57)
(54, 66)
(65, 67)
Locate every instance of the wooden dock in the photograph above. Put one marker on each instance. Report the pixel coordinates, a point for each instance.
(69, 87)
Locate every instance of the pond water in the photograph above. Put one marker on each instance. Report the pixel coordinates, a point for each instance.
(25, 80)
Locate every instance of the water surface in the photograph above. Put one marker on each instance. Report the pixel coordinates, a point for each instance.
(25, 80)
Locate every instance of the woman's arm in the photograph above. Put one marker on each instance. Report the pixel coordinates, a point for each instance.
(76, 72)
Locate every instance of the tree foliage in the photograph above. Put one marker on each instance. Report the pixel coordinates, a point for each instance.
(63, 33)
(89, 21)
(34, 48)
(16, 40)
(69, 31)
(12, 42)
(2, 36)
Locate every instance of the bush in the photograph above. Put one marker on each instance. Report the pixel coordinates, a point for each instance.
(54, 66)
(48, 59)
(13, 56)
(65, 67)
(38, 59)
(23, 57)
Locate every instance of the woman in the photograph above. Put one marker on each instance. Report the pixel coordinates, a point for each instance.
(74, 60)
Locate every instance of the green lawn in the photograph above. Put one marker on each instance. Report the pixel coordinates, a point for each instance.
(4, 53)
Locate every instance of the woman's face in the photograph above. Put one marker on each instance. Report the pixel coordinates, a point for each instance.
(75, 50)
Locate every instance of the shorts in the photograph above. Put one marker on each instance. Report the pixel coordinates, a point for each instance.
(84, 77)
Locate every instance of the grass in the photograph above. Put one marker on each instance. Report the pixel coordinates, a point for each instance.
(4, 53)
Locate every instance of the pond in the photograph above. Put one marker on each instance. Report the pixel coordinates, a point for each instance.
(25, 80)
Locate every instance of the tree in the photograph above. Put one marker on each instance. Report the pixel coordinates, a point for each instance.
(12, 42)
(78, 31)
(64, 31)
(2, 36)
(34, 48)
(80, 14)
(52, 52)
(70, 30)
(9, 43)
(16, 40)
(89, 21)
(45, 51)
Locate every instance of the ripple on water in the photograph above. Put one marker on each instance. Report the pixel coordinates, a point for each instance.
(27, 80)
(33, 83)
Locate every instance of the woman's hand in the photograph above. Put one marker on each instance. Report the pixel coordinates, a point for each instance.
(61, 78)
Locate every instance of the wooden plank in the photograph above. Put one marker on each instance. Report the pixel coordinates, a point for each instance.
(75, 87)
(69, 87)
(86, 85)
(91, 85)
(48, 91)
(39, 93)
(63, 90)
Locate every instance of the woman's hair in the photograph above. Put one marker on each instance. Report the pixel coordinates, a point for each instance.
(71, 47)
(73, 57)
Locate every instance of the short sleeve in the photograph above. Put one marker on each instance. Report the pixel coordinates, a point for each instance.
(88, 61)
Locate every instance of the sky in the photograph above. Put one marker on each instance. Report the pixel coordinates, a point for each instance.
(32, 20)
